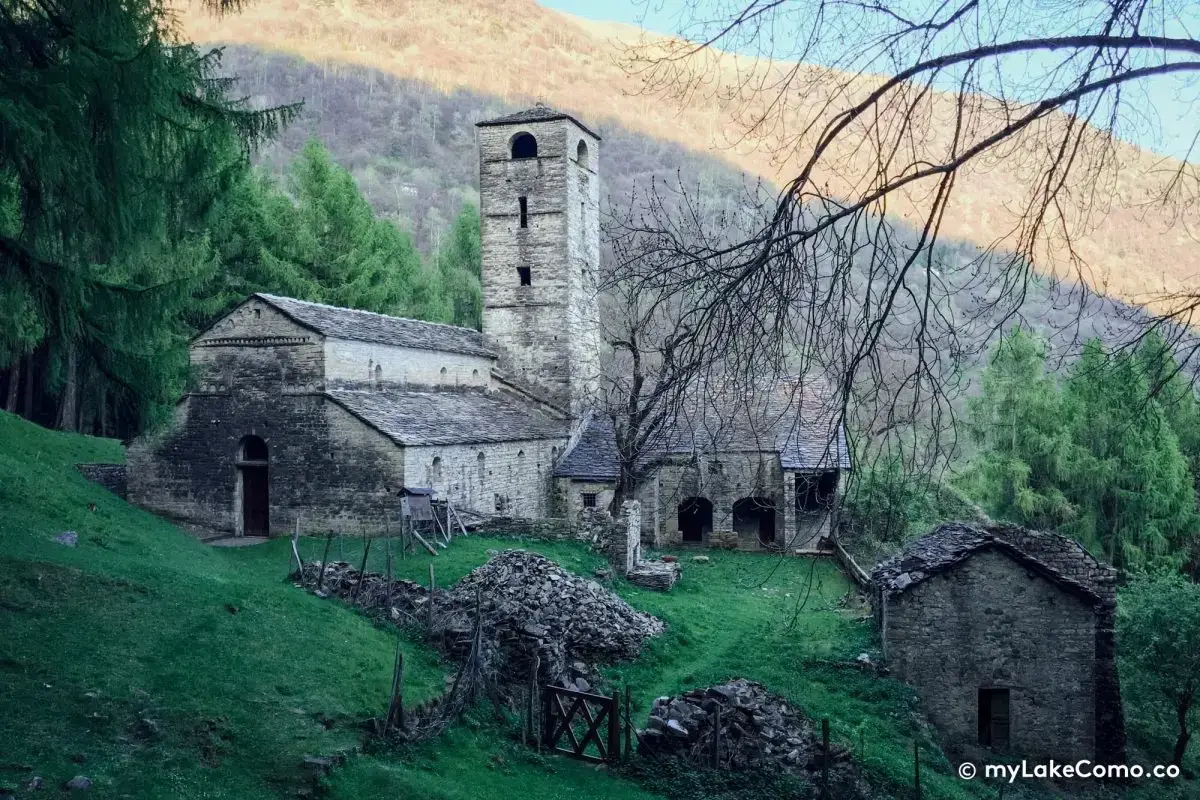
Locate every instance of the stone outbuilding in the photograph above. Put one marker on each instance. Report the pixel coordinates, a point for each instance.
(756, 471)
(1008, 636)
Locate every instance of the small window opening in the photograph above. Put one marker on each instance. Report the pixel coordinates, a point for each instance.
(257, 313)
(524, 146)
(589, 499)
(443, 373)
(523, 274)
(523, 202)
(581, 154)
(378, 376)
(994, 718)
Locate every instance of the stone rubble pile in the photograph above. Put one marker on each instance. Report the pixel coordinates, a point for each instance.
(758, 731)
(532, 611)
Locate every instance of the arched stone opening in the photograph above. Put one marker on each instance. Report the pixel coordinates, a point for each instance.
(524, 146)
(695, 519)
(755, 517)
(254, 487)
(581, 153)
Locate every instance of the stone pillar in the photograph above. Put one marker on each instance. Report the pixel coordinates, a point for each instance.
(622, 538)
(790, 530)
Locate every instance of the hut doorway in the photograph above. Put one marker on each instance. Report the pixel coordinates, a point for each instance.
(754, 517)
(254, 487)
(695, 519)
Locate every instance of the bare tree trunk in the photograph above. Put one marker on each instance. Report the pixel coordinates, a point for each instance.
(14, 381)
(28, 401)
(68, 409)
(1184, 733)
(102, 411)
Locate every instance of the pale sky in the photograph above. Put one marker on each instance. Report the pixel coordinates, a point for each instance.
(1166, 110)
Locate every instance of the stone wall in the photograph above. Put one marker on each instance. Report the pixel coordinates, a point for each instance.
(111, 476)
(722, 481)
(993, 623)
(365, 364)
(546, 332)
(325, 466)
(519, 472)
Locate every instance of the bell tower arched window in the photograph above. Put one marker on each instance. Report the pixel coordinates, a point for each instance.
(524, 146)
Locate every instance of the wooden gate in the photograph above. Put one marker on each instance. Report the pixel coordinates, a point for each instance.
(573, 722)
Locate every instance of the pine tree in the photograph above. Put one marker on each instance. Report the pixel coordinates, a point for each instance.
(460, 266)
(1126, 474)
(1018, 427)
(115, 138)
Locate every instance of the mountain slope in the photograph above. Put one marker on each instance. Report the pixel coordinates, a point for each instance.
(519, 51)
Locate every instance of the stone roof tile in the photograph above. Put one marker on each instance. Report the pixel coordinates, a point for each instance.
(415, 419)
(538, 113)
(948, 545)
(365, 326)
(797, 423)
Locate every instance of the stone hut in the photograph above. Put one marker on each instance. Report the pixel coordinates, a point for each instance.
(1008, 636)
(757, 470)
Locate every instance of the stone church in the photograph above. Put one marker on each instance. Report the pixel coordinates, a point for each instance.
(302, 411)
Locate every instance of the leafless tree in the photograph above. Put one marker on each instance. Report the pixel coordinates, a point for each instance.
(858, 262)
(674, 348)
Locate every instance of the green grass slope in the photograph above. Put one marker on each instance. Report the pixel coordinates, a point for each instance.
(160, 667)
(157, 666)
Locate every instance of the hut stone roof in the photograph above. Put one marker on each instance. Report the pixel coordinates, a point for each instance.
(538, 113)
(415, 419)
(796, 422)
(366, 326)
(1058, 558)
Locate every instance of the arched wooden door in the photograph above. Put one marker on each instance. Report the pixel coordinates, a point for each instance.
(254, 487)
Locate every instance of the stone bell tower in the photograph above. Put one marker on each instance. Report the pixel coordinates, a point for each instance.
(539, 196)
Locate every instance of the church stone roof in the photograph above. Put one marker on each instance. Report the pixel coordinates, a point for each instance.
(796, 423)
(416, 419)
(365, 326)
(1057, 558)
(539, 113)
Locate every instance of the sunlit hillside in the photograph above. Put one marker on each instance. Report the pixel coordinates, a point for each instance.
(519, 51)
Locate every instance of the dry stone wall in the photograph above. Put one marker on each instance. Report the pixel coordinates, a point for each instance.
(994, 623)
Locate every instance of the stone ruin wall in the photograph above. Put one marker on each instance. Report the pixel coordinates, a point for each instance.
(991, 622)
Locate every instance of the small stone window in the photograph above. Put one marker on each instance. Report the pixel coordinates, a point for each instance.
(523, 204)
(523, 274)
(524, 146)
(589, 499)
(994, 718)
(475, 374)
(435, 470)
(443, 374)
(482, 462)
(581, 153)
(378, 377)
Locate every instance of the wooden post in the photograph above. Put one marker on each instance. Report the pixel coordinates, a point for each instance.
(825, 758)
(324, 561)
(628, 724)
(296, 550)
(362, 572)
(614, 728)
(917, 768)
(531, 738)
(341, 547)
(388, 542)
(395, 715)
(716, 747)
(429, 603)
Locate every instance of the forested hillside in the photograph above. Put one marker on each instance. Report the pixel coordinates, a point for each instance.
(411, 148)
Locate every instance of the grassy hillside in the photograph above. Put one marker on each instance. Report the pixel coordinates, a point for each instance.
(519, 51)
(159, 667)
